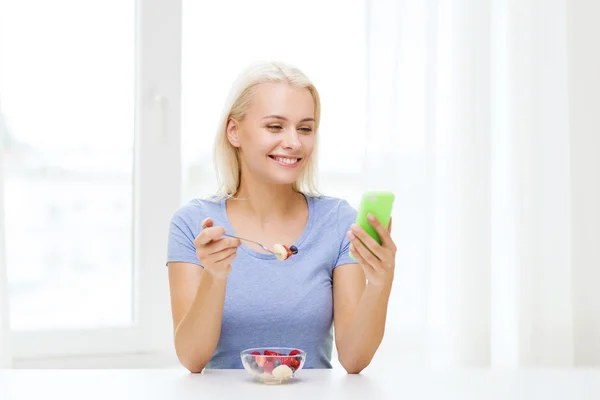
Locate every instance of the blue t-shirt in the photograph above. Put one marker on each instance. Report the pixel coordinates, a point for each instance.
(272, 303)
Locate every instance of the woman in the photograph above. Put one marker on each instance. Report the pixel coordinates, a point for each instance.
(243, 296)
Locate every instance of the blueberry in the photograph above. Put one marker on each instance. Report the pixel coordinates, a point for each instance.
(294, 249)
(299, 358)
(276, 363)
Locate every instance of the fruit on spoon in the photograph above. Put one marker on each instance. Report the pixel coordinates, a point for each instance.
(282, 252)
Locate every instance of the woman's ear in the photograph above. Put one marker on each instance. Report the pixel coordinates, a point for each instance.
(232, 132)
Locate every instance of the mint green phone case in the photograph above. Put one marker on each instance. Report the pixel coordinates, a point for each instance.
(380, 205)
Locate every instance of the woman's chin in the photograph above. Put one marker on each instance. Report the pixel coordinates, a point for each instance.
(285, 177)
(282, 180)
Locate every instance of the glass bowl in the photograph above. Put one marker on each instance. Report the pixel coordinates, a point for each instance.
(273, 365)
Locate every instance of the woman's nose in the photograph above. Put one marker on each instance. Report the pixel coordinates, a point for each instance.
(291, 139)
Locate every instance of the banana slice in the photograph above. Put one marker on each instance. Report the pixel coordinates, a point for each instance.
(281, 252)
(282, 371)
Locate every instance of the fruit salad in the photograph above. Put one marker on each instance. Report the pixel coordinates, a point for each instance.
(282, 252)
(273, 366)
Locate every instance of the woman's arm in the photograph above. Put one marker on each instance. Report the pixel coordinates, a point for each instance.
(197, 299)
(360, 311)
(359, 316)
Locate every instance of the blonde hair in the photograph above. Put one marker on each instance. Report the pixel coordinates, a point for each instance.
(226, 159)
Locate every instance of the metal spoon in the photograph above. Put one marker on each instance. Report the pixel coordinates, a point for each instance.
(293, 249)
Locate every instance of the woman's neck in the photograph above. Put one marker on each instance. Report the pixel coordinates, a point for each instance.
(267, 202)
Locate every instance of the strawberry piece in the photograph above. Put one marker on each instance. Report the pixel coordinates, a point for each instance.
(268, 353)
(260, 360)
(256, 353)
(294, 363)
(294, 352)
(288, 251)
(287, 361)
(268, 367)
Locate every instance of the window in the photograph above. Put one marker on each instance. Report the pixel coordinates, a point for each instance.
(68, 116)
(87, 196)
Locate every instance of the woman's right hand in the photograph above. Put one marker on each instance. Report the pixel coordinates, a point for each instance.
(214, 251)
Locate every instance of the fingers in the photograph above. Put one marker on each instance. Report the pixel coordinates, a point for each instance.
(222, 244)
(223, 255)
(212, 247)
(218, 254)
(377, 261)
(227, 260)
(364, 252)
(384, 234)
(209, 234)
(204, 237)
(207, 223)
(360, 259)
(364, 237)
(214, 251)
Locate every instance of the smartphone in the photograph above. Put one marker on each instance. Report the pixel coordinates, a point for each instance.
(380, 205)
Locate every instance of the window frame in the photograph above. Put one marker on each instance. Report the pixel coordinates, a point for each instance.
(156, 186)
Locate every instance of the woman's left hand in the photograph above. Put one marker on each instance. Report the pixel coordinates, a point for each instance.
(378, 264)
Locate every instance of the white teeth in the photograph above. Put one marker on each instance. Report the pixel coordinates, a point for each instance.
(287, 160)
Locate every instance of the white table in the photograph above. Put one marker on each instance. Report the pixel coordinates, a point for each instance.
(168, 384)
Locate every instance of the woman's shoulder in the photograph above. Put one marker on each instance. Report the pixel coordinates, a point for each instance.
(331, 202)
(335, 209)
(195, 210)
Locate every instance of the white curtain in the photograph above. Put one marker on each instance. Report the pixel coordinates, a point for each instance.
(483, 118)
(5, 354)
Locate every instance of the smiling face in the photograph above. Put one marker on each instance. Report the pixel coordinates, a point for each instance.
(276, 138)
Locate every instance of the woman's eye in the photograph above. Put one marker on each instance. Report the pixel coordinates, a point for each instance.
(274, 127)
(306, 130)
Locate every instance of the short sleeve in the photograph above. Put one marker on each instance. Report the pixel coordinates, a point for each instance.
(180, 246)
(345, 219)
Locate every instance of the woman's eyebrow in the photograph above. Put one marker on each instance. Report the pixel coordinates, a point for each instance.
(285, 119)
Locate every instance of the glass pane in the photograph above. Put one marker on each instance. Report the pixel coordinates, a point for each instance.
(325, 39)
(67, 98)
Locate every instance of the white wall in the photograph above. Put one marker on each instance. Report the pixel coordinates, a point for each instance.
(5, 356)
(584, 92)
